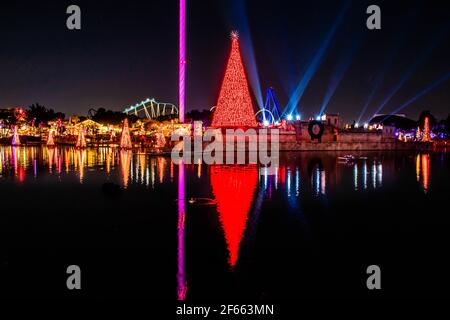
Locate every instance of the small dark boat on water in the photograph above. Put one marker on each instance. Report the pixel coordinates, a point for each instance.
(347, 158)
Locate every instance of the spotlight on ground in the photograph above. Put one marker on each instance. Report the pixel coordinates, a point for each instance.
(289, 117)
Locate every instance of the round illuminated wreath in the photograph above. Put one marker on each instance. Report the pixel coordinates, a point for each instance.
(316, 129)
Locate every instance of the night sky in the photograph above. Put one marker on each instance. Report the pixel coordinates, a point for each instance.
(128, 51)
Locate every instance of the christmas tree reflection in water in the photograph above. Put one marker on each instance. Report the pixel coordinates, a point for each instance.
(423, 170)
(81, 163)
(234, 188)
(126, 157)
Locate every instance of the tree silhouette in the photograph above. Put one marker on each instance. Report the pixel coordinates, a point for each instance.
(423, 115)
(196, 115)
(104, 116)
(40, 114)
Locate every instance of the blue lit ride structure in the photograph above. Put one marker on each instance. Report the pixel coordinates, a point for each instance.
(270, 114)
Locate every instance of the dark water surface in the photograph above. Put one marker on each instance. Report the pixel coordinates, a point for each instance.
(217, 233)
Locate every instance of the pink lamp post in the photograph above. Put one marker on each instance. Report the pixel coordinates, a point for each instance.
(182, 69)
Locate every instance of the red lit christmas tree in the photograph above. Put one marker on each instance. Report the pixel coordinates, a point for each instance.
(234, 108)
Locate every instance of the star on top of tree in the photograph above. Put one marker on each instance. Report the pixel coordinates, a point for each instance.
(234, 35)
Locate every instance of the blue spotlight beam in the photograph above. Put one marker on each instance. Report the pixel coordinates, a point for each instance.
(276, 105)
(252, 68)
(425, 55)
(378, 82)
(420, 94)
(241, 21)
(398, 41)
(341, 68)
(315, 63)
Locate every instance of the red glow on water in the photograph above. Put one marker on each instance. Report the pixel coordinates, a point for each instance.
(21, 174)
(181, 277)
(233, 188)
(161, 168)
(50, 156)
(426, 172)
(282, 175)
(125, 163)
(423, 170)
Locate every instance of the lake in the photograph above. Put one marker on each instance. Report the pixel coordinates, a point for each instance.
(142, 226)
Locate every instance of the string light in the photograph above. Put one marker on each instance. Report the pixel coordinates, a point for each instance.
(125, 140)
(50, 140)
(234, 108)
(81, 140)
(15, 140)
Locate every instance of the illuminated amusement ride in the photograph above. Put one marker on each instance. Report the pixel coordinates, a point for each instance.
(152, 109)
